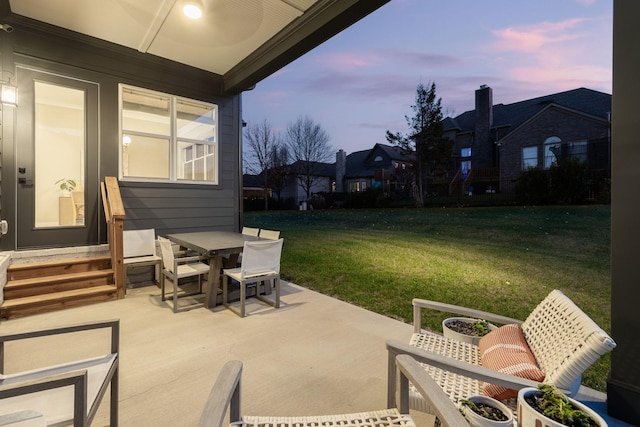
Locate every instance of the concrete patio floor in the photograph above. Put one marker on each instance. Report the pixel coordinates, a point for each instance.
(315, 355)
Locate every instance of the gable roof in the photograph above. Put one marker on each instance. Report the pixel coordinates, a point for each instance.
(360, 164)
(587, 101)
(319, 168)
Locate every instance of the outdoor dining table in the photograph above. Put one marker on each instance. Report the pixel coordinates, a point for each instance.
(214, 245)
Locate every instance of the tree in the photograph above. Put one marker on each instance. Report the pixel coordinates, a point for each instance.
(279, 172)
(425, 139)
(262, 155)
(308, 146)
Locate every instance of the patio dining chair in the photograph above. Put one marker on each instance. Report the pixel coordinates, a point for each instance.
(225, 398)
(260, 264)
(176, 268)
(555, 344)
(269, 234)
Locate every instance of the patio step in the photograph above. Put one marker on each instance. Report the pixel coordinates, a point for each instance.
(40, 287)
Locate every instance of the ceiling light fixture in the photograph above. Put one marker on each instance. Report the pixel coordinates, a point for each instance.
(192, 10)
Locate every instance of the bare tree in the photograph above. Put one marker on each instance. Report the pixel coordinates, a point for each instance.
(279, 172)
(308, 146)
(262, 143)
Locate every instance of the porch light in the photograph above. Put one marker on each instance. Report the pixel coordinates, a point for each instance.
(192, 10)
(9, 95)
(126, 140)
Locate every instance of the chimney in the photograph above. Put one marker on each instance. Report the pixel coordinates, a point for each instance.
(482, 149)
(341, 170)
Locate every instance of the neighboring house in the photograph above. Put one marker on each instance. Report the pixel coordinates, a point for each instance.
(321, 181)
(137, 91)
(494, 144)
(383, 167)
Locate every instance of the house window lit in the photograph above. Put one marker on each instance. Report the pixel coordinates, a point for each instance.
(356, 186)
(465, 152)
(529, 157)
(578, 150)
(167, 138)
(551, 151)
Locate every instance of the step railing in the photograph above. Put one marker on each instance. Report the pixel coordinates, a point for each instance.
(114, 214)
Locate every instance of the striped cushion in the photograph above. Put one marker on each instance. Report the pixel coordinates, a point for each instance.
(506, 350)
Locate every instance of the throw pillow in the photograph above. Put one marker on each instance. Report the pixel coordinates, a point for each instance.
(505, 350)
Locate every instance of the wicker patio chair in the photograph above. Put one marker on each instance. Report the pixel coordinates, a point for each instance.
(563, 339)
(225, 397)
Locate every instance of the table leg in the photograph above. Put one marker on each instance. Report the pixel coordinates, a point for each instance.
(213, 281)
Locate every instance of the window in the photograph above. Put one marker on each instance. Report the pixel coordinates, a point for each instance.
(551, 151)
(529, 157)
(355, 186)
(578, 150)
(465, 152)
(167, 138)
(378, 159)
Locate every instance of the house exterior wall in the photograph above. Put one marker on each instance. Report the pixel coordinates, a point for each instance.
(167, 207)
(293, 189)
(566, 125)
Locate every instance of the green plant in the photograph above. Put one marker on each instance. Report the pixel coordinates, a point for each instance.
(481, 327)
(557, 406)
(66, 184)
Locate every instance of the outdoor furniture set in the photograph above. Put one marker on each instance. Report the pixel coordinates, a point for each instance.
(430, 374)
(259, 266)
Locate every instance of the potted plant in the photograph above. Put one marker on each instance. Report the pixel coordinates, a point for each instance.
(484, 411)
(547, 406)
(66, 185)
(466, 329)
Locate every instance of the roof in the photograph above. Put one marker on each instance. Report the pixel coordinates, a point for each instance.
(360, 164)
(244, 42)
(587, 101)
(318, 168)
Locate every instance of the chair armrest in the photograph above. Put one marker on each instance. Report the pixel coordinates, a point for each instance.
(444, 408)
(77, 379)
(183, 260)
(419, 304)
(224, 395)
(458, 367)
(114, 325)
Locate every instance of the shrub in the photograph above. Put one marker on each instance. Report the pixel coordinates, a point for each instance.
(532, 187)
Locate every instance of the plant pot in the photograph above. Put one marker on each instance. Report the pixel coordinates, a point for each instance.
(477, 420)
(450, 333)
(528, 416)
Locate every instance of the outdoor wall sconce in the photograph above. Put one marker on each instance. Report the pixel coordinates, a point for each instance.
(9, 95)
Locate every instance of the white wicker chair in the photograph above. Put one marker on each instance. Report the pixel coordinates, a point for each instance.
(225, 397)
(563, 339)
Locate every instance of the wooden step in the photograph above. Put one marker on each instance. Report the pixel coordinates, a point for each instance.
(36, 304)
(55, 267)
(58, 283)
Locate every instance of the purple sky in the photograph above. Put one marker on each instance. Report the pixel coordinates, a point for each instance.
(363, 81)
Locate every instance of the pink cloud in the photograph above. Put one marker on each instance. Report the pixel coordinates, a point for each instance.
(531, 38)
(345, 60)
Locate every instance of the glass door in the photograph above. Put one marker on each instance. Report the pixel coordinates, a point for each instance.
(57, 161)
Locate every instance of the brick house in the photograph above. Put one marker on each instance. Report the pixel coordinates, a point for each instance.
(494, 144)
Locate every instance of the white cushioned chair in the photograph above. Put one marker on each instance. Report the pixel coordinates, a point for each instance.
(561, 337)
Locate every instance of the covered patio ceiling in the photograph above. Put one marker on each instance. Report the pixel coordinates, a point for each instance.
(244, 41)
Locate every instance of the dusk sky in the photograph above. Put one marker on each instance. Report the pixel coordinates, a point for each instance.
(363, 81)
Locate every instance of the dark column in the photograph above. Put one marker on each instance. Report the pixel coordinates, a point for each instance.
(623, 389)
(482, 148)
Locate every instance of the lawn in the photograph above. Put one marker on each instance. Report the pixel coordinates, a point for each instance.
(503, 259)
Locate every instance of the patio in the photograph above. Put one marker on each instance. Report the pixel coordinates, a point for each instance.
(314, 355)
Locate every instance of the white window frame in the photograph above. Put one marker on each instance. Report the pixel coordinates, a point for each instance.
(527, 162)
(579, 150)
(549, 157)
(212, 150)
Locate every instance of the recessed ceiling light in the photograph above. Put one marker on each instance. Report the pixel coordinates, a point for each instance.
(192, 10)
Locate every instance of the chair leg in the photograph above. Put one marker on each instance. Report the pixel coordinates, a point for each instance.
(225, 289)
(175, 294)
(276, 283)
(243, 291)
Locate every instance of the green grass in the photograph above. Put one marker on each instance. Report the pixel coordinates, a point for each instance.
(504, 259)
